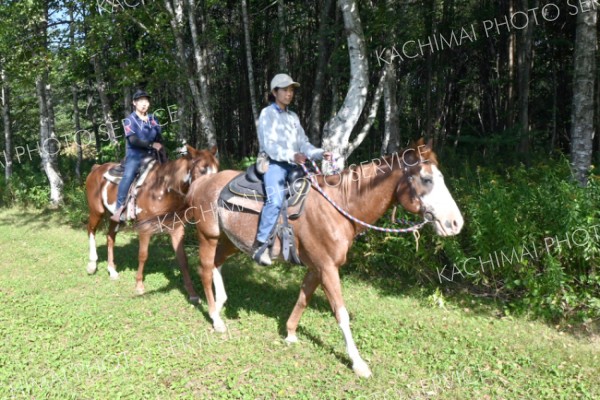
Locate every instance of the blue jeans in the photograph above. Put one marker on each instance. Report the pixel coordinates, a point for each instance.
(275, 182)
(132, 164)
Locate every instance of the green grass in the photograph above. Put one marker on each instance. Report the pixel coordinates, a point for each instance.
(65, 334)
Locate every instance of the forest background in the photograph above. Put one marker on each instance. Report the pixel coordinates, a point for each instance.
(507, 90)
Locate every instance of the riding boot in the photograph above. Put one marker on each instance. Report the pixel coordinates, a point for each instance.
(260, 253)
(116, 217)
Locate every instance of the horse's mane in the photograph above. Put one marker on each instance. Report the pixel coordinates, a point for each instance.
(356, 179)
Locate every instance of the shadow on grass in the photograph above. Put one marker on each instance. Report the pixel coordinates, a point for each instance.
(32, 218)
(271, 292)
(161, 260)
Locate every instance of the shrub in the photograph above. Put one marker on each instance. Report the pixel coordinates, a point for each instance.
(531, 237)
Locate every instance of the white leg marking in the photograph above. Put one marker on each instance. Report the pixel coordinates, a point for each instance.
(92, 267)
(291, 339)
(220, 298)
(218, 323)
(114, 275)
(359, 366)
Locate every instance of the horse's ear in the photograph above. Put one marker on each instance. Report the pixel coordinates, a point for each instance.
(421, 142)
(214, 150)
(422, 145)
(430, 144)
(192, 152)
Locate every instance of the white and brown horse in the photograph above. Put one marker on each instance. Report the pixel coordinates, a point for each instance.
(323, 235)
(163, 192)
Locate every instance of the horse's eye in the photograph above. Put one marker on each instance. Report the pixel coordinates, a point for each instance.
(427, 181)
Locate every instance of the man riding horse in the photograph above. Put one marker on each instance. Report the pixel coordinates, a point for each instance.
(282, 139)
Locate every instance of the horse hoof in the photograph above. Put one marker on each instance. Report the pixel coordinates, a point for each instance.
(362, 370)
(291, 339)
(139, 291)
(91, 268)
(114, 275)
(220, 327)
(195, 300)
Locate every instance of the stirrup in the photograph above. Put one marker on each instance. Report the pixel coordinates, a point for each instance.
(261, 256)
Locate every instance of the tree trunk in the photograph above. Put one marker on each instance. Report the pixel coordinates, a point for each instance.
(202, 105)
(77, 132)
(127, 99)
(524, 65)
(180, 115)
(510, 98)
(314, 122)
(48, 143)
(391, 140)
(49, 146)
(281, 25)
(91, 115)
(101, 87)
(8, 164)
(199, 56)
(75, 96)
(371, 115)
(249, 61)
(582, 114)
(338, 129)
(429, 54)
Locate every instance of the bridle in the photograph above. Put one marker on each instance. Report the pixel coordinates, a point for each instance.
(428, 215)
(314, 183)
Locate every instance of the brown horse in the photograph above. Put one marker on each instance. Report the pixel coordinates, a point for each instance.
(323, 235)
(163, 192)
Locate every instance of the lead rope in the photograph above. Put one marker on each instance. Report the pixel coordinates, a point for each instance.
(414, 228)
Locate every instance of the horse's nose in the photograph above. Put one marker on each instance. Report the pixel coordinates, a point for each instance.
(454, 225)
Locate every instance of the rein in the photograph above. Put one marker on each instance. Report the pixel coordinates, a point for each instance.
(414, 228)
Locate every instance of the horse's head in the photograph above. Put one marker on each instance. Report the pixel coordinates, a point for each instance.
(422, 190)
(202, 162)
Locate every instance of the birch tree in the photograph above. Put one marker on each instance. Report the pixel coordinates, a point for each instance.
(176, 15)
(337, 131)
(582, 114)
(49, 144)
(5, 99)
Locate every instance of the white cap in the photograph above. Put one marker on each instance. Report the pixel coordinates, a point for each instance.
(283, 81)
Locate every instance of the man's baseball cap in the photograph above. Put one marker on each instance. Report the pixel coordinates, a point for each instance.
(140, 93)
(283, 81)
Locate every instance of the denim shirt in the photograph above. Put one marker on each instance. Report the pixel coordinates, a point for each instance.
(280, 135)
(148, 131)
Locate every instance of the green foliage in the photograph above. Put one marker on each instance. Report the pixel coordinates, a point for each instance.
(26, 188)
(531, 237)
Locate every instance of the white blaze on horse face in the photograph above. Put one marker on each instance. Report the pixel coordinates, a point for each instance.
(448, 220)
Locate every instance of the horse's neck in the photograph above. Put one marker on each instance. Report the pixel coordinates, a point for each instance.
(172, 177)
(375, 196)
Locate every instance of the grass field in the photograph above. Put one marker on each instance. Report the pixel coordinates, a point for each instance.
(66, 335)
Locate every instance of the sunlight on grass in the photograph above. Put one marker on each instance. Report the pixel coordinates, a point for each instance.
(69, 335)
